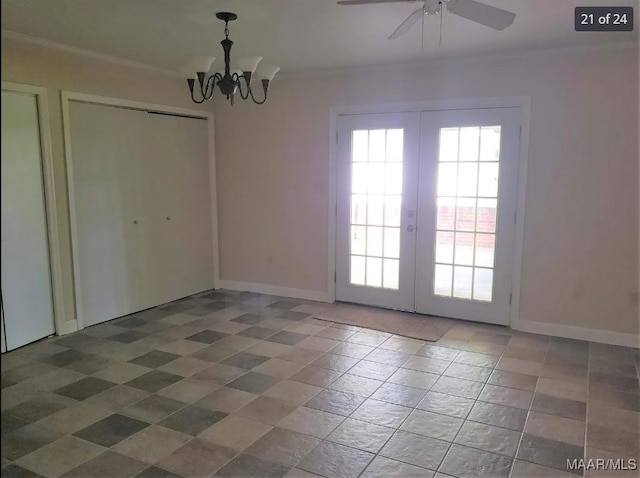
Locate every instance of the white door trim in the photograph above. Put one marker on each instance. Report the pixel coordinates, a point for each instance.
(53, 238)
(522, 102)
(66, 97)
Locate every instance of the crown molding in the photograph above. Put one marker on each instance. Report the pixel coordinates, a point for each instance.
(462, 59)
(23, 38)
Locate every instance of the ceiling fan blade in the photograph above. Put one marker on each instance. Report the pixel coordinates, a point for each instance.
(487, 15)
(366, 2)
(407, 24)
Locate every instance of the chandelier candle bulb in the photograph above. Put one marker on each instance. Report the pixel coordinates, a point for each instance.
(230, 82)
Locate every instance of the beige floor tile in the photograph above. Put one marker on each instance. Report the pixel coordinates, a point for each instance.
(121, 372)
(303, 328)
(355, 384)
(235, 432)
(432, 425)
(555, 428)
(60, 456)
(74, 418)
(293, 392)
(489, 438)
(268, 349)
(152, 444)
(317, 343)
(185, 366)
(510, 397)
(612, 417)
(278, 368)
(266, 410)
(563, 389)
(226, 399)
(182, 347)
(413, 378)
(519, 366)
(189, 390)
(311, 422)
(525, 469)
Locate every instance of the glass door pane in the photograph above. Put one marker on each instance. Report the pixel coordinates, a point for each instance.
(376, 195)
(467, 208)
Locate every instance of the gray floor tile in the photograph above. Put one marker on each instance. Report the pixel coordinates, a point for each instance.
(107, 465)
(498, 415)
(197, 458)
(192, 419)
(550, 453)
(85, 388)
(465, 462)
(111, 430)
(415, 449)
(283, 446)
(154, 359)
(332, 401)
(154, 381)
(153, 409)
(250, 466)
(336, 461)
(207, 336)
(254, 382)
(245, 360)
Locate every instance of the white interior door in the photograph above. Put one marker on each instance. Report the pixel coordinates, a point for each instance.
(467, 207)
(108, 181)
(376, 197)
(426, 211)
(26, 279)
(178, 206)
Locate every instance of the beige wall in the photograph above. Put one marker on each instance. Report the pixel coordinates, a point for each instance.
(580, 263)
(581, 227)
(56, 70)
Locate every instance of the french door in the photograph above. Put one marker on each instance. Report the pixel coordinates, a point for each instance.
(426, 211)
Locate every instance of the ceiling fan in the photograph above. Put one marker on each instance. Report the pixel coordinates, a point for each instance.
(492, 17)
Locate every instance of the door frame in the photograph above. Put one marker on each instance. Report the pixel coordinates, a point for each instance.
(50, 203)
(68, 96)
(521, 102)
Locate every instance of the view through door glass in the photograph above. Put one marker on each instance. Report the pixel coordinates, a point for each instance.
(376, 199)
(467, 202)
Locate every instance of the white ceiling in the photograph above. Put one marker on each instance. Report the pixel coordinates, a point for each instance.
(295, 34)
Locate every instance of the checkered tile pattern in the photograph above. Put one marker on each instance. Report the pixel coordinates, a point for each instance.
(240, 384)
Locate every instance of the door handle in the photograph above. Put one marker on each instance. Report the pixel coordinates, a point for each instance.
(410, 228)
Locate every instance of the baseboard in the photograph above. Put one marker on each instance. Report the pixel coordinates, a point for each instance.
(580, 333)
(68, 327)
(274, 290)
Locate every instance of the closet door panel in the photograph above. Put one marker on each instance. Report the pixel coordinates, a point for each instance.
(26, 281)
(180, 206)
(106, 148)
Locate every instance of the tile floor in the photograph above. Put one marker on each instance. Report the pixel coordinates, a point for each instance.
(240, 384)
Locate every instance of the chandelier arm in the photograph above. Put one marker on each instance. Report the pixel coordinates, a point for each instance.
(265, 87)
(237, 77)
(191, 83)
(211, 85)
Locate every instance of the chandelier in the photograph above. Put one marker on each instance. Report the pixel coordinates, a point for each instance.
(231, 81)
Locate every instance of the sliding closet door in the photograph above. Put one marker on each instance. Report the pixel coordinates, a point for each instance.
(178, 206)
(142, 216)
(107, 184)
(26, 280)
